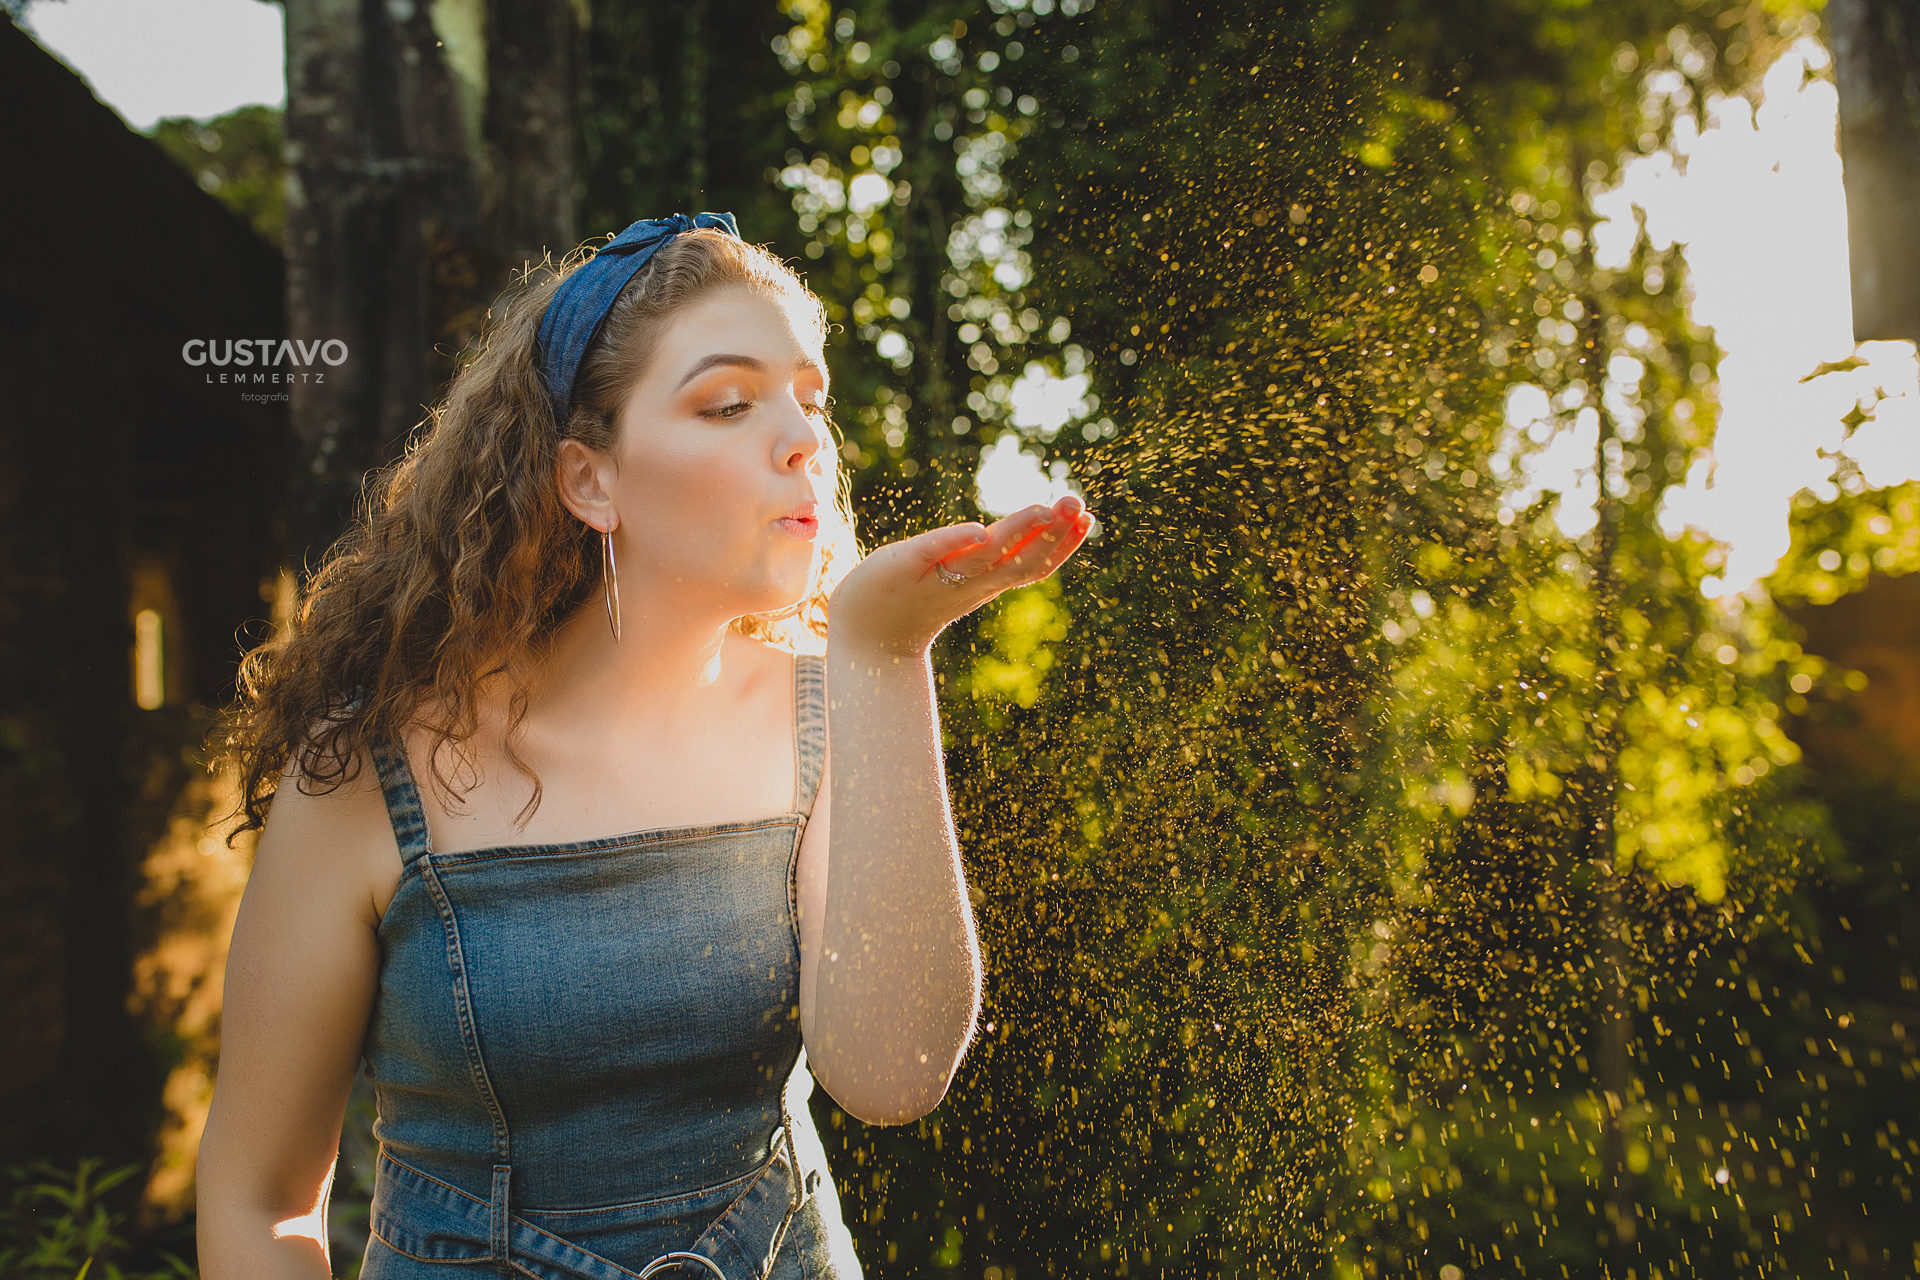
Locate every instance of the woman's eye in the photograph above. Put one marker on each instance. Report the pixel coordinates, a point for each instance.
(727, 412)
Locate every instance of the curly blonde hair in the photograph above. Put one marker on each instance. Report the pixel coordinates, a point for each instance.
(462, 560)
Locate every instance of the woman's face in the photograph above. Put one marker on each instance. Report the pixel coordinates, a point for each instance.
(723, 435)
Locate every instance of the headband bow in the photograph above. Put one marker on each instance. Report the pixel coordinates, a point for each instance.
(583, 299)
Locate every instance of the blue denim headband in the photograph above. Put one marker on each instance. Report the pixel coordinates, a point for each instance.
(583, 299)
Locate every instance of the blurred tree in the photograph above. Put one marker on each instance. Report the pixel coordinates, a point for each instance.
(1377, 822)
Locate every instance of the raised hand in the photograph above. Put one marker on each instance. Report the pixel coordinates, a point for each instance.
(896, 601)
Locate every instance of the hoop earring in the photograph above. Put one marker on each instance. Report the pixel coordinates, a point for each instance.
(611, 584)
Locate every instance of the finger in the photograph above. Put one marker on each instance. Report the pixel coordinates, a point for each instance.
(1059, 543)
(986, 546)
(1014, 534)
(1047, 547)
(953, 540)
(949, 548)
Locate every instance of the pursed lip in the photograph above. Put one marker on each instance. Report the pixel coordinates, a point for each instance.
(802, 512)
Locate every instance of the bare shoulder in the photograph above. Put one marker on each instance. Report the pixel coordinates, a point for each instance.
(334, 835)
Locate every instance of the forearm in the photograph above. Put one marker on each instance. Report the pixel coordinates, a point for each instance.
(237, 1243)
(897, 985)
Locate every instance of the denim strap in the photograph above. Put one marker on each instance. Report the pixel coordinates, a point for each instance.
(810, 728)
(404, 809)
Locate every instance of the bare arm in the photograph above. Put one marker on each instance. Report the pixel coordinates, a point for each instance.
(890, 983)
(301, 977)
(890, 962)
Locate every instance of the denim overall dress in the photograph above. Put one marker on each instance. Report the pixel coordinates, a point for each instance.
(586, 1057)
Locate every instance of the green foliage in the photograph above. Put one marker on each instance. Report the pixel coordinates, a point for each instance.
(1358, 790)
(895, 134)
(1837, 545)
(236, 158)
(1021, 635)
(61, 1224)
(683, 111)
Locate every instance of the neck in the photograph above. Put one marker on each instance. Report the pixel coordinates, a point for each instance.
(663, 669)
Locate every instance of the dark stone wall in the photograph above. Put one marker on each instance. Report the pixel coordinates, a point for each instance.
(115, 456)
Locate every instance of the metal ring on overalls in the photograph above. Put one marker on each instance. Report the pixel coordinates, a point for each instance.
(675, 1259)
(798, 1189)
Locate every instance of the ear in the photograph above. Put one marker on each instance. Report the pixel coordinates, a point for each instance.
(585, 480)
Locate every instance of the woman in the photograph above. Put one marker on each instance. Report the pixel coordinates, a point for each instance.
(590, 1050)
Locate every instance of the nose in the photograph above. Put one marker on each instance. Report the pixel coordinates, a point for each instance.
(804, 439)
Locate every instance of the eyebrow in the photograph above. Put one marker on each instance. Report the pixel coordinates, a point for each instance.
(750, 362)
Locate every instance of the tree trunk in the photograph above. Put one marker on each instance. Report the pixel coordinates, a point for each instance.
(1613, 1036)
(429, 154)
(1876, 46)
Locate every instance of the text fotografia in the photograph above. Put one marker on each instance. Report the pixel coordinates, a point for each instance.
(270, 361)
